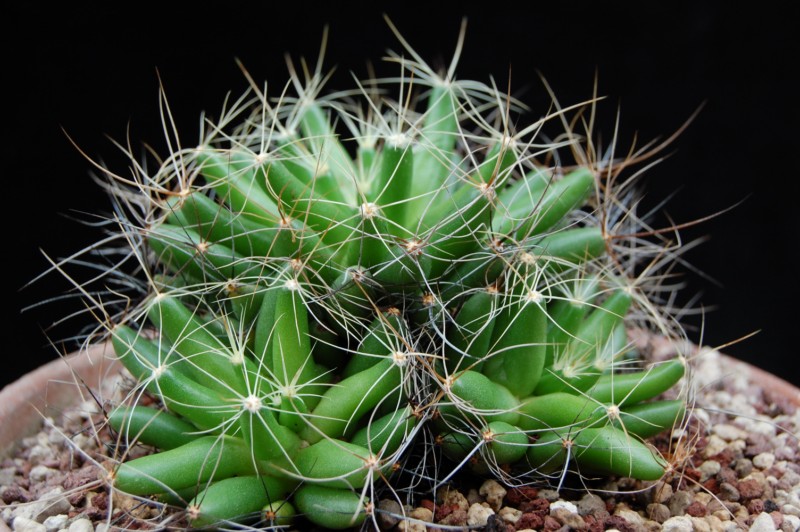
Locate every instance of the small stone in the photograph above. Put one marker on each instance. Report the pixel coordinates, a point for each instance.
(678, 502)
(729, 432)
(790, 509)
(791, 478)
(726, 474)
(708, 469)
(715, 505)
(791, 523)
(388, 512)
(478, 515)
(658, 512)
(422, 514)
(566, 505)
(750, 489)
(763, 523)
(630, 516)
(530, 520)
(7, 475)
(591, 504)
(41, 473)
(411, 526)
(81, 525)
(702, 497)
(743, 467)
(568, 519)
(494, 494)
(551, 523)
(56, 522)
(457, 517)
(550, 495)
(23, 524)
(82, 441)
(51, 503)
(661, 492)
(102, 527)
(728, 492)
(455, 497)
(678, 524)
(714, 523)
(696, 509)
(764, 460)
(40, 454)
(700, 525)
(473, 497)
(714, 445)
(509, 515)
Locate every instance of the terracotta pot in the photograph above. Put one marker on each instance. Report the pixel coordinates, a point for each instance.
(47, 390)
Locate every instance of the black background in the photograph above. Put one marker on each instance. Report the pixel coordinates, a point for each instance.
(96, 73)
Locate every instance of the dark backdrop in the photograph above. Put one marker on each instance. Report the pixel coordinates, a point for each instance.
(96, 73)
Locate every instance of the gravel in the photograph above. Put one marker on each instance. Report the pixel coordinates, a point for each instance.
(737, 471)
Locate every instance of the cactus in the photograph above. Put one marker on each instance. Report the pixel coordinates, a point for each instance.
(335, 281)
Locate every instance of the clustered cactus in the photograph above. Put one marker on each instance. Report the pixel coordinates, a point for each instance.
(335, 281)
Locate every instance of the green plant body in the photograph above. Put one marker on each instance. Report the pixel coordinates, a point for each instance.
(337, 281)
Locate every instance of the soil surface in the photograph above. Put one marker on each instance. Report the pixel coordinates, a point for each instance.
(735, 466)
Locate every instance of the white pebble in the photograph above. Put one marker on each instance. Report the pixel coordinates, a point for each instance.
(411, 526)
(790, 509)
(7, 475)
(715, 445)
(494, 494)
(509, 515)
(631, 517)
(571, 508)
(729, 432)
(700, 525)
(764, 460)
(56, 522)
(793, 520)
(679, 523)
(41, 453)
(81, 525)
(760, 426)
(23, 524)
(708, 469)
(763, 523)
(39, 473)
(478, 515)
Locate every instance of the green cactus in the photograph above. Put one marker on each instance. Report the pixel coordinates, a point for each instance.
(321, 298)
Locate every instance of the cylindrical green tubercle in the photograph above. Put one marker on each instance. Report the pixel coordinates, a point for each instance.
(473, 394)
(151, 426)
(335, 464)
(200, 405)
(519, 345)
(506, 443)
(385, 434)
(630, 388)
(470, 335)
(333, 508)
(558, 410)
(195, 463)
(346, 402)
(237, 499)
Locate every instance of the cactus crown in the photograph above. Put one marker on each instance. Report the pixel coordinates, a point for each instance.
(341, 284)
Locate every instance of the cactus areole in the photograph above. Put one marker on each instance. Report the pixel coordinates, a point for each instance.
(338, 285)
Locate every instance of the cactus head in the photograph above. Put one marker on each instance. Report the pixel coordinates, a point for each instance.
(336, 281)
